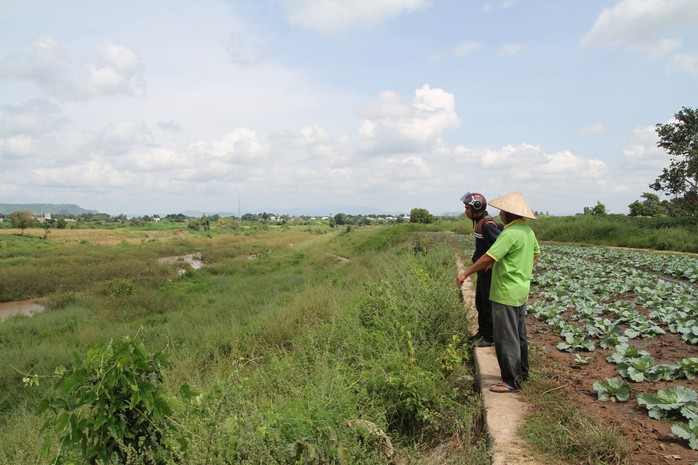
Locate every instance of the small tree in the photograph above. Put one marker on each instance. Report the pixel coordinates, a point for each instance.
(651, 206)
(680, 140)
(599, 209)
(421, 215)
(22, 220)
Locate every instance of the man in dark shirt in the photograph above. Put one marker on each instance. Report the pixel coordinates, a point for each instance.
(485, 230)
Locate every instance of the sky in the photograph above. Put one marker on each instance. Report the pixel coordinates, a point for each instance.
(167, 106)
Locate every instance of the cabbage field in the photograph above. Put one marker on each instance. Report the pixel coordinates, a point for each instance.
(623, 326)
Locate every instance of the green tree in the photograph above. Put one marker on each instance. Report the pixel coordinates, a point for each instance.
(598, 209)
(421, 215)
(651, 206)
(680, 140)
(340, 219)
(22, 220)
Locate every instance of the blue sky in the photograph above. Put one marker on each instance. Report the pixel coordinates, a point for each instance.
(166, 106)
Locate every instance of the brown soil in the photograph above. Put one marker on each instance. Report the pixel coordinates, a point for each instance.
(653, 442)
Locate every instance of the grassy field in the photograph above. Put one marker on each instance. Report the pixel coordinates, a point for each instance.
(292, 344)
(658, 233)
(289, 346)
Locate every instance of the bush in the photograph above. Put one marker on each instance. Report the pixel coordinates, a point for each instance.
(112, 405)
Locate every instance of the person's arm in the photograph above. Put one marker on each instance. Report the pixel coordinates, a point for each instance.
(536, 257)
(483, 263)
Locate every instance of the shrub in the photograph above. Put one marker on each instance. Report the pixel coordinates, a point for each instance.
(111, 405)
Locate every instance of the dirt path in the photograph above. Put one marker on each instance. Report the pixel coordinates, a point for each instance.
(504, 413)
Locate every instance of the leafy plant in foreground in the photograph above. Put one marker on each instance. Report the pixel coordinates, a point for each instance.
(614, 389)
(575, 340)
(688, 432)
(580, 360)
(111, 405)
(625, 351)
(669, 402)
(688, 368)
(635, 369)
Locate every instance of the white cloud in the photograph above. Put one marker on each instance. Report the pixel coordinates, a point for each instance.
(31, 117)
(18, 146)
(40, 63)
(123, 136)
(313, 139)
(489, 7)
(644, 26)
(642, 153)
(393, 126)
(532, 167)
(241, 146)
(333, 15)
(92, 175)
(467, 47)
(117, 70)
(508, 50)
(159, 159)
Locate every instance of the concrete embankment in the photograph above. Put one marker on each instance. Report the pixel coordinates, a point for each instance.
(504, 412)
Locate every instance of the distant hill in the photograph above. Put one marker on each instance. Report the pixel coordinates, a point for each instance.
(39, 208)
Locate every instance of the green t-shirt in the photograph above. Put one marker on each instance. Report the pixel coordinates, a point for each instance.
(513, 253)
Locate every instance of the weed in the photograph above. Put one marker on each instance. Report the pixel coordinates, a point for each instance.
(557, 429)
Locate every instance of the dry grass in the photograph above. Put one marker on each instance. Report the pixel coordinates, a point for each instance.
(97, 236)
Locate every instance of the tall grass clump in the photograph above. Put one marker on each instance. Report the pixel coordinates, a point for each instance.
(557, 430)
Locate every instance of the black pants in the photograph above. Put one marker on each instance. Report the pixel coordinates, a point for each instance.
(511, 343)
(484, 305)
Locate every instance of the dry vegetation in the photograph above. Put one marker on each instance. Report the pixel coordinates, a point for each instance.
(97, 236)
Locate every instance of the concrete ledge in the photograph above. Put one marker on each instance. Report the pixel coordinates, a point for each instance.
(504, 412)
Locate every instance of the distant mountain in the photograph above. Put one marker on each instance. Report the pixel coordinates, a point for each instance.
(39, 208)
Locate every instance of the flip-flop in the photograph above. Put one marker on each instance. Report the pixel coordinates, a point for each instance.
(501, 388)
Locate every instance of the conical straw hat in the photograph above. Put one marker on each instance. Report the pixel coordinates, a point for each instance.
(513, 203)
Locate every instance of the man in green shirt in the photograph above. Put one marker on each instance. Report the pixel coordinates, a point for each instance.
(513, 256)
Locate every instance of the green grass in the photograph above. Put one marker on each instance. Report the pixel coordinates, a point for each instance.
(286, 344)
(559, 432)
(659, 233)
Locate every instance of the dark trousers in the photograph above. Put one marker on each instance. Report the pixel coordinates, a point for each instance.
(510, 343)
(484, 305)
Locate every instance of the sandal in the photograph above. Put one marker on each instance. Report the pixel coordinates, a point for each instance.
(501, 388)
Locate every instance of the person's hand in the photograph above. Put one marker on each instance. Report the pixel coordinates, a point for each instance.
(459, 279)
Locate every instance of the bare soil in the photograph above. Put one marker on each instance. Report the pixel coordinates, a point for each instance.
(653, 441)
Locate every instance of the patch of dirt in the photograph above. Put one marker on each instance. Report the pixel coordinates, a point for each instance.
(25, 307)
(653, 441)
